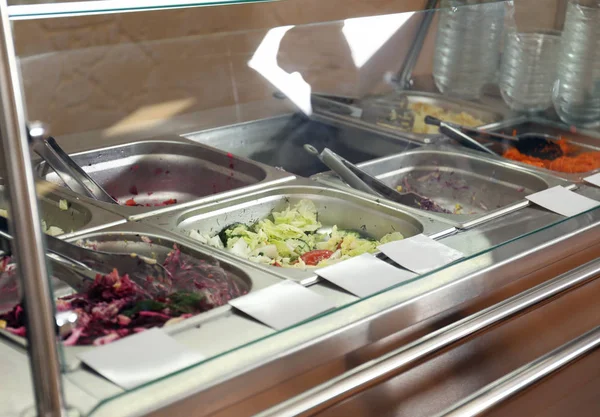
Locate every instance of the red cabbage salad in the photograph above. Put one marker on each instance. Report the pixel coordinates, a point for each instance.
(114, 306)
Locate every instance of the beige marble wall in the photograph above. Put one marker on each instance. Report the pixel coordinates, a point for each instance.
(105, 72)
(95, 72)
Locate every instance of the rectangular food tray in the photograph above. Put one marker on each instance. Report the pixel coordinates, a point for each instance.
(334, 207)
(77, 219)
(156, 171)
(279, 141)
(127, 238)
(587, 140)
(371, 107)
(484, 188)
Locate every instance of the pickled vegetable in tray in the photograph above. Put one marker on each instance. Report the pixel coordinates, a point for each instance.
(572, 161)
(114, 307)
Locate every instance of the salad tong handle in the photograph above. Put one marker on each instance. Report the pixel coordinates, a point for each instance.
(72, 174)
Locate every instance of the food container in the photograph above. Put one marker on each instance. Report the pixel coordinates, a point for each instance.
(334, 207)
(162, 175)
(133, 237)
(587, 140)
(279, 141)
(374, 110)
(469, 184)
(77, 219)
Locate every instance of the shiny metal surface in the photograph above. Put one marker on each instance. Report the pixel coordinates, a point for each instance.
(404, 77)
(395, 362)
(334, 207)
(522, 378)
(588, 140)
(29, 244)
(279, 141)
(477, 188)
(79, 218)
(155, 173)
(66, 174)
(133, 238)
(380, 107)
(95, 190)
(459, 371)
(391, 319)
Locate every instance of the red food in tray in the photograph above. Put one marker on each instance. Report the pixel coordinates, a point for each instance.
(114, 306)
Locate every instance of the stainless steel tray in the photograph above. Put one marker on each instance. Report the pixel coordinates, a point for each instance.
(79, 218)
(334, 207)
(127, 238)
(587, 140)
(279, 141)
(346, 110)
(151, 172)
(485, 188)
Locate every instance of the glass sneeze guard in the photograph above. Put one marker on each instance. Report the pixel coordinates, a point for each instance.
(191, 81)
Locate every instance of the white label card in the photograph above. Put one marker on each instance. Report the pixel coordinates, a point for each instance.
(593, 179)
(562, 201)
(282, 305)
(420, 253)
(140, 358)
(364, 275)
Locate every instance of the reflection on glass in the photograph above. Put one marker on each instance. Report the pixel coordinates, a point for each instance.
(366, 35)
(264, 61)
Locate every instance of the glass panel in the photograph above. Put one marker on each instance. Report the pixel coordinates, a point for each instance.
(37, 10)
(267, 86)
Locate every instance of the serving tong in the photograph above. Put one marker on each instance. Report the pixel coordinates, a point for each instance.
(78, 266)
(74, 177)
(537, 145)
(360, 180)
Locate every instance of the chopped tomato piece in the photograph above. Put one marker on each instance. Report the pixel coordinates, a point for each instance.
(130, 202)
(170, 201)
(315, 256)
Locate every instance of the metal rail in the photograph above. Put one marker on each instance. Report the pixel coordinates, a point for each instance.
(404, 77)
(29, 240)
(520, 379)
(400, 360)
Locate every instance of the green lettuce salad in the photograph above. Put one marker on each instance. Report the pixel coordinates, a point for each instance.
(292, 238)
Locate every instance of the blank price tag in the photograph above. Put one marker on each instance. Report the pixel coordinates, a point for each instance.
(562, 201)
(593, 179)
(282, 305)
(364, 275)
(420, 253)
(140, 358)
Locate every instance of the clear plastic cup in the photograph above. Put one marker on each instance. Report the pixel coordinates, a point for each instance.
(467, 47)
(528, 70)
(577, 90)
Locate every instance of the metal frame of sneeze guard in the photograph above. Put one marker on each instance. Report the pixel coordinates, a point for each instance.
(28, 235)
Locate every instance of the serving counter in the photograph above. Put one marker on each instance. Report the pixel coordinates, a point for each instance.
(249, 225)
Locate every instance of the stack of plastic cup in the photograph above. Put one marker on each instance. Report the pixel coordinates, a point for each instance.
(528, 70)
(467, 47)
(577, 89)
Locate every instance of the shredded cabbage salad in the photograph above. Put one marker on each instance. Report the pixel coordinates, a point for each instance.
(292, 238)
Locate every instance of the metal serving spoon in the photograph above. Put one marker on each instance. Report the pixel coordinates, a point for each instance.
(151, 276)
(532, 144)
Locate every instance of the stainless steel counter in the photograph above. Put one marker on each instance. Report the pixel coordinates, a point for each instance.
(251, 367)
